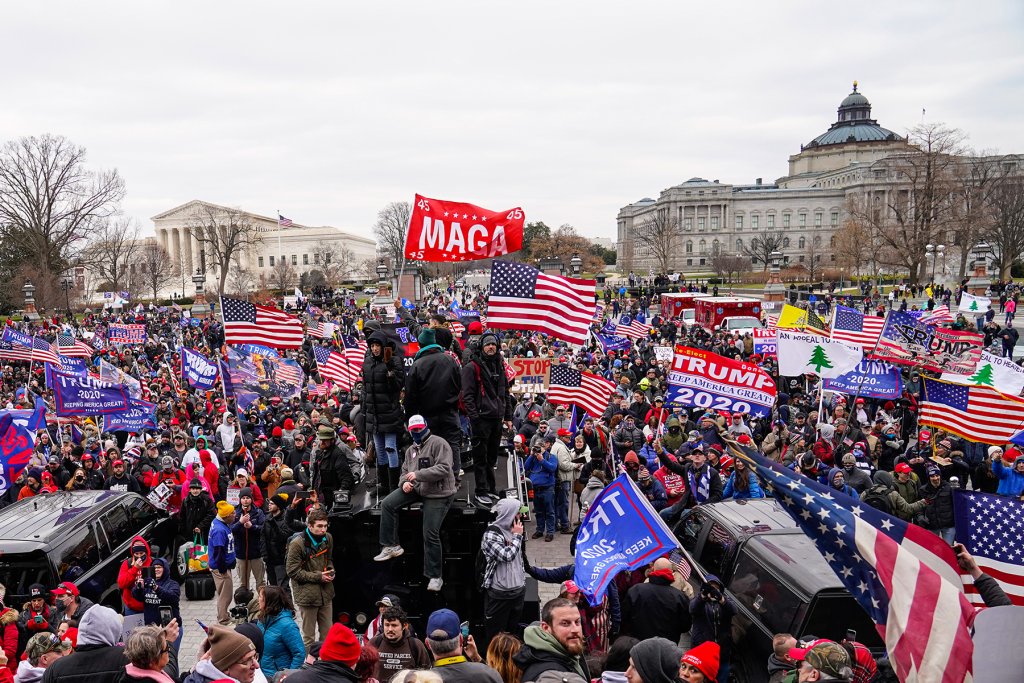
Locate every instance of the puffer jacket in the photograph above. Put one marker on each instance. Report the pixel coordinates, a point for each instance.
(382, 387)
(9, 636)
(282, 644)
(939, 514)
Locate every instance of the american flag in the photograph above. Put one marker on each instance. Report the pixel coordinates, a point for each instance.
(815, 323)
(522, 297)
(903, 576)
(458, 329)
(976, 413)
(853, 326)
(770, 321)
(289, 372)
(246, 323)
(344, 367)
(40, 352)
(67, 345)
(989, 526)
(320, 330)
(284, 222)
(598, 312)
(586, 390)
(634, 328)
(321, 389)
(938, 316)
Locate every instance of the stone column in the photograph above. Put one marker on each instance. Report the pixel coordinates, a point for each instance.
(175, 250)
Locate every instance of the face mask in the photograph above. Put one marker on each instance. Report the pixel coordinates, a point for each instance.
(419, 435)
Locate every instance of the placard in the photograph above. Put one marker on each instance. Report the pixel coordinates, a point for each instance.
(533, 375)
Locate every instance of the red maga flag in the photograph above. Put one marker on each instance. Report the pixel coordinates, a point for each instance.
(446, 231)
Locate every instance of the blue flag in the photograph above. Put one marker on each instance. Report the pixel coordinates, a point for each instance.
(15, 451)
(613, 343)
(197, 370)
(75, 395)
(621, 531)
(14, 337)
(873, 379)
(139, 415)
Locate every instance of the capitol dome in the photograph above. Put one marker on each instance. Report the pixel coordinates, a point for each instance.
(854, 124)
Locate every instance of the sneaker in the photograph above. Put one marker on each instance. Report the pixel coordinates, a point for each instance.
(537, 534)
(435, 585)
(389, 553)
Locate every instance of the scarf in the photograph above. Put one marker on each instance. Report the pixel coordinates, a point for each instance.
(702, 489)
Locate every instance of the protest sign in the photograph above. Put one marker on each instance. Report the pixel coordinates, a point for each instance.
(621, 531)
(765, 342)
(532, 374)
(126, 334)
(77, 395)
(663, 353)
(197, 370)
(871, 379)
(706, 380)
(160, 495)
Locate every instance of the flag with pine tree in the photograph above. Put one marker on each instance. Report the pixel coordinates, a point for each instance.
(819, 359)
(804, 352)
(983, 375)
(977, 305)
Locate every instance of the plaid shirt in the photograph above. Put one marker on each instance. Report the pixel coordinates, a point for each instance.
(496, 550)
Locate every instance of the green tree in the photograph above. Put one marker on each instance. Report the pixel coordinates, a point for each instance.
(819, 359)
(983, 375)
(532, 232)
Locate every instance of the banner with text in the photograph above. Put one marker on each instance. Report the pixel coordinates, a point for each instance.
(765, 342)
(126, 334)
(15, 450)
(871, 378)
(907, 341)
(198, 370)
(1002, 374)
(706, 380)
(77, 395)
(532, 374)
(447, 231)
(139, 415)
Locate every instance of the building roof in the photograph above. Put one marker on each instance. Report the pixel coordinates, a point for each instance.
(854, 124)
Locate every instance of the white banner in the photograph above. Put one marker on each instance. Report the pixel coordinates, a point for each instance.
(978, 305)
(1002, 374)
(801, 353)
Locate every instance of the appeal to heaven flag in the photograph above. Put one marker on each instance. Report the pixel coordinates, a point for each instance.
(974, 304)
(801, 353)
(1002, 374)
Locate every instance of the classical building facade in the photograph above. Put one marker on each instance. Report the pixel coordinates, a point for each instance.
(300, 246)
(808, 204)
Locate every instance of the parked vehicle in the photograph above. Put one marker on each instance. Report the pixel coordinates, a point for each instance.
(776, 576)
(80, 536)
(680, 305)
(713, 312)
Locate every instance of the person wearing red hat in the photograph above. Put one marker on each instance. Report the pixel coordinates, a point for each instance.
(702, 664)
(70, 607)
(120, 480)
(338, 655)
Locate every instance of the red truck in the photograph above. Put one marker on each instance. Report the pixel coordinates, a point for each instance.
(728, 313)
(679, 305)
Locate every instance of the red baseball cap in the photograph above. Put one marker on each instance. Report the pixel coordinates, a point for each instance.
(903, 468)
(66, 588)
(564, 432)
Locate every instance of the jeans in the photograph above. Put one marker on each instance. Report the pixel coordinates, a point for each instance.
(672, 512)
(385, 445)
(486, 439)
(544, 508)
(434, 510)
(562, 492)
(947, 534)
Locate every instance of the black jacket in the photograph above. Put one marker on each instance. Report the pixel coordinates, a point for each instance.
(276, 532)
(655, 608)
(197, 512)
(88, 664)
(940, 512)
(330, 472)
(433, 386)
(324, 672)
(485, 388)
(382, 386)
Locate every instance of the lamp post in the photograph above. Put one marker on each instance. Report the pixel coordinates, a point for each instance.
(935, 252)
(29, 290)
(67, 284)
(575, 264)
(199, 306)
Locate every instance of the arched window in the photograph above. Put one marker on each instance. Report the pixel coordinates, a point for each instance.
(715, 247)
(689, 246)
(703, 246)
(739, 244)
(802, 243)
(817, 240)
(785, 242)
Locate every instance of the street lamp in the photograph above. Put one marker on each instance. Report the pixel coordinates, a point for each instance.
(576, 264)
(67, 284)
(29, 290)
(935, 252)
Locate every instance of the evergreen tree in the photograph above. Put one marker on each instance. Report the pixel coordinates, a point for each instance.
(819, 359)
(983, 375)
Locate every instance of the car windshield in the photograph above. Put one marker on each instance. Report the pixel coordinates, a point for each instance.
(742, 323)
(688, 315)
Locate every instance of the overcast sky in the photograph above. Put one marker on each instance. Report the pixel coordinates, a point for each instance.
(327, 111)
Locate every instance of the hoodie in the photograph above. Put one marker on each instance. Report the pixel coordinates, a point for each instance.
(503, 550)
(99, 626)
(1010, 483)
(656, 660)
(542, 652)
(155, 593)
(27, 673)
(127, 575)
(97, 657)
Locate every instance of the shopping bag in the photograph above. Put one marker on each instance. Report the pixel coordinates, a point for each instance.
(198, 556)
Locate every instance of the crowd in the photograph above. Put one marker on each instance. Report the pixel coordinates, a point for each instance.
(256, 486)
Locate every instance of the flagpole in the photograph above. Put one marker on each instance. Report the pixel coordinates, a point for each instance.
(31, 359)
(279, 256)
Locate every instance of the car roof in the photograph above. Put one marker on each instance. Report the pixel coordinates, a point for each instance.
(753, 516)
(40, 519)
(792, 555)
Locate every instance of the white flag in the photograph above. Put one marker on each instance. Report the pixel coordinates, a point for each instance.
(801, 353)
(978, 305)
(1002, 374)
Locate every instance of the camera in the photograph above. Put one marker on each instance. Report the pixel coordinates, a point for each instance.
(711, 594)
(147, 573)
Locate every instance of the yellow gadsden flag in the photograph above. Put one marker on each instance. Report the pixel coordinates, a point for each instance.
(792, 318)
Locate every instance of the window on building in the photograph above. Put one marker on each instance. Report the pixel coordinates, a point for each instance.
(832, 241)
(754, 222)
(817, 219)
(714, 222)
(771, 220)
(832, 258)
(687, 224)
(801, 243)
(835, 218)
(259, 261)
(295, 259)
(703, 246)
(739, 222)
(785, 220)
(817, 240)
(802, 222)
(305, 259)
(785, 242)
(739, 245)
(701, 193)
(715, 246)
(700, 224)
(316, 257)
(801, 258)
(271, 261)
(703, 261)
(689, 246)
(689, 261)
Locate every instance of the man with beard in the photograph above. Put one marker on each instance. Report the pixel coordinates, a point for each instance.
(119, 481)
(554, 645)
(487, 400)
(330, 468)
(93, 477)
(398, 650)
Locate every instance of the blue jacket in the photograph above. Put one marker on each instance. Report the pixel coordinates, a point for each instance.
(655, 493)
(282, 644)
(222, 546)
(153, 594)
(1010, 483)
(541, 472)
(753, 492)
(249, 542)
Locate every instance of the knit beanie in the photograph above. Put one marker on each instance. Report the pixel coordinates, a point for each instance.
(426, 337)
(225, 508)
(246, 492)
(227, 647)
(705, 657)
(656, 660)
(340, 645)
(280, 500)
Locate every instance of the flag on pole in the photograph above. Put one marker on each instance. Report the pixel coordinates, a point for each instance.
(905, 577)
(632, 327)
(976, 413)
(850, 325)
(801, 353)
(939, 315)
(584, 389)
(283, 222)
(522, 297)
(67, 345)
(1002, 374)
(984, 524)
(978, 305)
(321, 330)
(246, 323)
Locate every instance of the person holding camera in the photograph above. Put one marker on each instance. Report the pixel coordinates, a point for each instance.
(130, 571)
(160, 595)
(712, 612)
(332, 477)
(540, 469)
(309, 564)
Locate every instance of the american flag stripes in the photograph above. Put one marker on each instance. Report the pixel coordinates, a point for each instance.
(322, 389)
(289, 372)
(284, 222)
(771, 321)
(457, 328)
(344, 367)
(40, 352)
(938, 316)
(989, 526)
(852, 326)
(67, 345)
(904, 577)
(246, 323)
(523, 298)
(586, 390)
(634, 328)
(977, 413)
(320, 330)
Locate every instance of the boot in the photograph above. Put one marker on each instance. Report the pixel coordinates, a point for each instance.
(382, 481)
(394, 478)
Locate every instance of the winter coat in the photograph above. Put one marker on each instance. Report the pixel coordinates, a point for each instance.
(433, 385)
(127, 574)
(939, 515)
(88, 664)
(712, 622)
(9, 636)
(84, 604)
(1010, 483)
(321, 672)
(753, 491)
(432, 463)
(590, 492)
(249, 541)
(331, 471)
(276, 532)
(197, 512)
(304, 565)
(541, 473)
(654, 492)
(155, 593)
(282, 644)
(655, 608)
(485, 392)
(542, 652)
(382, 387)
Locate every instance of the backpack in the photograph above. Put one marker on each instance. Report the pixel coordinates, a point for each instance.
(878, 497)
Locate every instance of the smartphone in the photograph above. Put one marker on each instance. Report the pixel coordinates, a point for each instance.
(165, 615)
(465, 629)
(147, 573)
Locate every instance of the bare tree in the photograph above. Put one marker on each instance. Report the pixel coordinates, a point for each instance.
(760, 248)
(1005, 222)
(812, 258)
(154, 268)
(977, 178)
(224, 234)
(659, 233)
(113, 248)
(50, 200)
(337, 262)
(390, 230)
(283, 275)
(562, 244)
(367, 270)
(241, 282)
(725, 264)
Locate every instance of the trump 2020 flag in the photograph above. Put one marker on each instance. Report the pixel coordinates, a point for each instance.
(621, 531)
(197, 370)
(978, 305)
(801, 353)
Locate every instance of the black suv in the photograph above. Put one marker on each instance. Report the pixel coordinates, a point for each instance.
(776, 576)
(80, 536)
